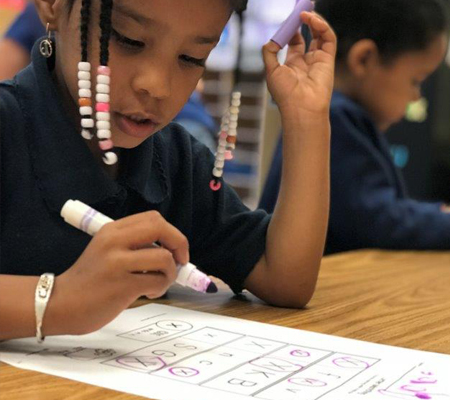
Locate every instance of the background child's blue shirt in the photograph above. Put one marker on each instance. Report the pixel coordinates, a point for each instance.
(44, 162)
(370, 207)
(27, 28)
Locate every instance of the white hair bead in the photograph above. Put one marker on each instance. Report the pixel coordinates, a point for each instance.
(86, 110)
(103, 79)
(85, 93)
(110, 158)
(103, 88)
(84, 66)
(87, 123)
(233, 125)
(102, 98)
(217, 172)
(104, 134)
(86, 134)
(219, 164)
(83, 75)
(220, 156)
(103, 125)
(103, 116)
(84, 84)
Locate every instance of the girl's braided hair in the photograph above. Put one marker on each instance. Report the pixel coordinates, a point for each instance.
(238, 6)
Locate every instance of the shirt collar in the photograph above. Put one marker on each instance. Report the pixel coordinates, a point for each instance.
(63, 164)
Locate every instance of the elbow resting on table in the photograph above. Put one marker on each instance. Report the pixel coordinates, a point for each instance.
(286, 286)
(297, 296)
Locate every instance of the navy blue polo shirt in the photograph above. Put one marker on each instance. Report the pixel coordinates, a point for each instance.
(45, 162)
(370, 206)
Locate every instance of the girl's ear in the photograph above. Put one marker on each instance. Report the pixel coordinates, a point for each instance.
(49, 12)
(363, 55)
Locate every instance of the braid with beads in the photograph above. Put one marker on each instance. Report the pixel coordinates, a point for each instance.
(84, 28)
(84, 74)
(105, 27)
(102, 121)
(103, 86)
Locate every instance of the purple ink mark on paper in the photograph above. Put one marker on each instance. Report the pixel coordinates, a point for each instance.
(184, 372)
(299, 353)
(423, 396)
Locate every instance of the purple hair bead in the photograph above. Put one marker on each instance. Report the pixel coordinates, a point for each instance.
(293, 23)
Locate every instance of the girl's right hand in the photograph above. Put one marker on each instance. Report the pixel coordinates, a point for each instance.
(115, 269)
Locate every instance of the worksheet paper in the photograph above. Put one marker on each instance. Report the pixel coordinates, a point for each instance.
(163, 352)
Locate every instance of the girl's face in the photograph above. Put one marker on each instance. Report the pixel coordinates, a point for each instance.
(157, 54)
(388, 88)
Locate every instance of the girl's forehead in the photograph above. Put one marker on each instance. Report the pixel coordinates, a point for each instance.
(202, 20)
(195, 12)
(199, 14)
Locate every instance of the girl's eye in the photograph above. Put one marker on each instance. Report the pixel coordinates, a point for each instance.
(127, 42)
(193, 62)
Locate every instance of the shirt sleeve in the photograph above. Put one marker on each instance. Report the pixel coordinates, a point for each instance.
(27, 28)
(229, 239)
(367, 208)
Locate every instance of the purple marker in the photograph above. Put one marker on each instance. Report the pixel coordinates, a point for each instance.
(293, 23)
(88, 220)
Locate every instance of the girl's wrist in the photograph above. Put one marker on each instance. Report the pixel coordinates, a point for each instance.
(305, 122)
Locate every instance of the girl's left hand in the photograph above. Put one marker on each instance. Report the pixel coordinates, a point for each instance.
(305, 82)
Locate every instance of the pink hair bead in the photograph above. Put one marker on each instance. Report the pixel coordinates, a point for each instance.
(102, 70)
(223, 135)
(102, 107)
(215, 186)
(106, 144)
(228, 155)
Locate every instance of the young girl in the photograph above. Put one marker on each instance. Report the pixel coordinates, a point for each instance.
(160, 190)
(386, 49)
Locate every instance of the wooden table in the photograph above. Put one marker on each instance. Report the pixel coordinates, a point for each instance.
(400, 299)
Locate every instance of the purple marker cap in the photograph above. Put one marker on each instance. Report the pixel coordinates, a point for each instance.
(293, 23)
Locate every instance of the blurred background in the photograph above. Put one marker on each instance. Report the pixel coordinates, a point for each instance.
(420, 143)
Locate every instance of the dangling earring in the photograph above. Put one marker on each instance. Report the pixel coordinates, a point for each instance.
(46, 45)
(227, 140)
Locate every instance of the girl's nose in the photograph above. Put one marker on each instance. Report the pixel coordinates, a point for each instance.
(154, 81)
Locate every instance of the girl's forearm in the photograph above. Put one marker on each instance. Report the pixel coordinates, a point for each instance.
(17, 315)
(297, 232)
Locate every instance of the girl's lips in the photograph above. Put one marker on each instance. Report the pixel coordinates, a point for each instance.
(135, 129)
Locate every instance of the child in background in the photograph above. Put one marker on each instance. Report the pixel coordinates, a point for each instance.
(160, 190)
(386, 49)
(18, 41)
